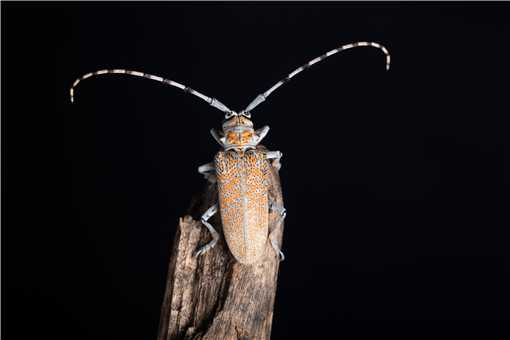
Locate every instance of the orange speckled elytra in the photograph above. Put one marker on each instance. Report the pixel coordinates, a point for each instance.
(239, 169)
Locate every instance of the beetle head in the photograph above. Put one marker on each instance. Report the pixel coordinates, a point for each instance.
(238, 133)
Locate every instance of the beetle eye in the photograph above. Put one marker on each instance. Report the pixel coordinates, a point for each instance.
(229, 114)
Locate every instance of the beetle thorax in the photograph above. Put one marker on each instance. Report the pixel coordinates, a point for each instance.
(238, 134)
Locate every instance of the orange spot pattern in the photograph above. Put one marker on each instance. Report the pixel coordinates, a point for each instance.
(243, 199)
(239, 138)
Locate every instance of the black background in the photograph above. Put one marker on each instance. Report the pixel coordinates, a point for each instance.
(396, 183)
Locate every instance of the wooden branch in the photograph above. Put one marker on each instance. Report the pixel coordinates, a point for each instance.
(213, 296)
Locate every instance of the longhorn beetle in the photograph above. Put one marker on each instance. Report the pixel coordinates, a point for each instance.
(240, 171)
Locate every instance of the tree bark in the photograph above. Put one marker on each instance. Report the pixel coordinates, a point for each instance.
(213, 296)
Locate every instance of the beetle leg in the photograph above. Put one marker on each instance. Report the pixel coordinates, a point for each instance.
(215, 236)
(282, 212)
(261, 133)
(209, 172)
(275, 156)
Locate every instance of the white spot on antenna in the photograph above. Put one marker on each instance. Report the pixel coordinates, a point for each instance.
(296, 72)
(314, 61)
(331, 52)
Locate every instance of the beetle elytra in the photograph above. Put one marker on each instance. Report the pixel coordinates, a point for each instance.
(240, 170)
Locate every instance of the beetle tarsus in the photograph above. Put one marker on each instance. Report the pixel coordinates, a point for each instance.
(205, 248)
(283, 213)
(281, 257)
(215, 236)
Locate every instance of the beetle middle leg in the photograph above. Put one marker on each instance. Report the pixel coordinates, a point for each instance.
(209, 172)
(272, 237)
(205, 217)
(275, 156)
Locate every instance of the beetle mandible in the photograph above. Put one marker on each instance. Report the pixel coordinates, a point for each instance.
(240, 170)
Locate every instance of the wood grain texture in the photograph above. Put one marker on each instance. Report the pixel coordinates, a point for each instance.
(213, 296)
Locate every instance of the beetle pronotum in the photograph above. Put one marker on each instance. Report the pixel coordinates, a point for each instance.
(240, 170)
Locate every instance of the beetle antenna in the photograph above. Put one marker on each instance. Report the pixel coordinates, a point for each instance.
(212, 101)
(261, 97)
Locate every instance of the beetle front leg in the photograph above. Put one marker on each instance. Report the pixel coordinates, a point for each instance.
(261, 133)
(275, 156)
(215, 236)
(272, 237)
(209, 172)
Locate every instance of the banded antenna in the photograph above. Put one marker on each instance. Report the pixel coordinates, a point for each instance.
(261, 97)
(212, 101)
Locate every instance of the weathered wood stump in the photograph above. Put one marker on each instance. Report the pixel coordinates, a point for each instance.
(213, 296)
